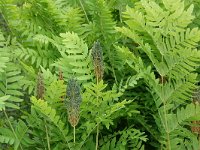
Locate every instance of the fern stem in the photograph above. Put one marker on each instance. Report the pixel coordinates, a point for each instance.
(74, 134)
(47, 136)
(165, 114)
(88, 135)
(12, 128)
(84, 10)
(97, 137)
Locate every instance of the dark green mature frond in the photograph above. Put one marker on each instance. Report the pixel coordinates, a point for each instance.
(16, 136)
(102, 17)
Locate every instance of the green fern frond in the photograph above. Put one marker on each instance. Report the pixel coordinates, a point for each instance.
(28, 82)
(10, 85)
(4, 56)
(108, 100)
(55, 93)
(50, 113)
(7, 140)
(3, 101)
(75, 58)
(102, 16)
(17, 136)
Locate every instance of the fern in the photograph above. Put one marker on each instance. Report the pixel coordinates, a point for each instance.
(171, 48)
(10, 75)
(3, 101)
(16, 137)
(8, 140)
(146, 71)
(4, 56)
(50, 113)
(75, 58)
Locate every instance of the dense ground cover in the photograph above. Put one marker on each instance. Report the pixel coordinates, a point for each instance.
(99, 74)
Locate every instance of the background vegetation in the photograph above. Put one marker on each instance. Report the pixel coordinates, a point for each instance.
(99, 74)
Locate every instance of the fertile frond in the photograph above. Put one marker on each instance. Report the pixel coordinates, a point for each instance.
(97, 56)
(73, 101)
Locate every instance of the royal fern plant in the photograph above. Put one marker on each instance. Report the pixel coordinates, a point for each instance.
(99, 74)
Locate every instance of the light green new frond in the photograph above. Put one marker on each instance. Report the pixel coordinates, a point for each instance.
(50, 113)
(46, 41)
(176, 123)
(174, 18)
(55, 93)
(48, 77)
(75, 58)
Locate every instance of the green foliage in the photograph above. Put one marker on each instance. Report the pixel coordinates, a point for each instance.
(171, 49)
(137, 63)
(74, 54)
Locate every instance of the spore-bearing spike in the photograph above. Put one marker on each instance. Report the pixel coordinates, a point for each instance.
(40, 86)
(73, 102)
(97, 56)
(196, 100)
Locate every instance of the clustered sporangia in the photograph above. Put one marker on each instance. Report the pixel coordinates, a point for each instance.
(196, 101)
(97, 57)
(40, 86)
(73, 101)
